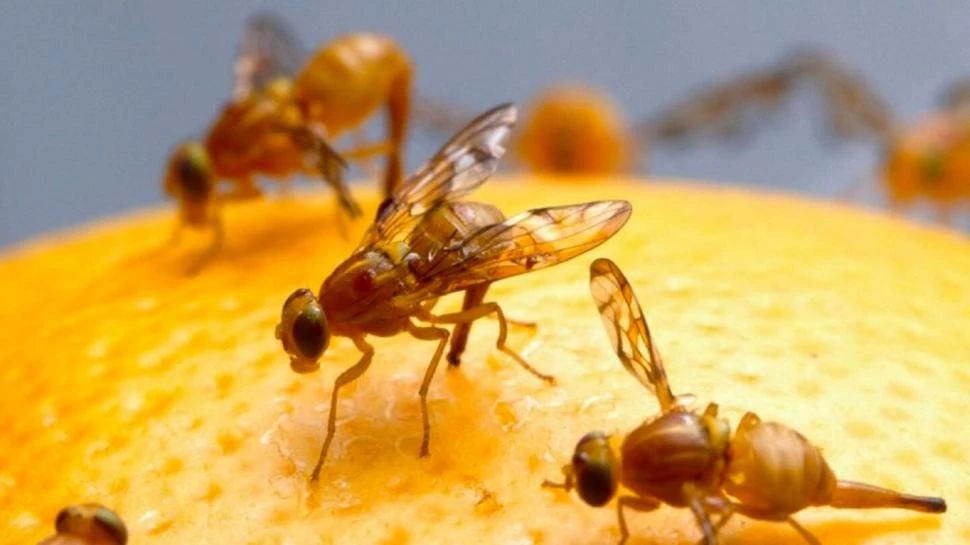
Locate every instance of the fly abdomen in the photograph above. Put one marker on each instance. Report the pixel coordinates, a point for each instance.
(774, 471)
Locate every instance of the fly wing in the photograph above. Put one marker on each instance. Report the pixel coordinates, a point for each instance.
(728, 109)
(526, 242)
(269, 50)
(458, 168)
(854, 109)
(627, 329)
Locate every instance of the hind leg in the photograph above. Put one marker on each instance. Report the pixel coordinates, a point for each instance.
(398, 116)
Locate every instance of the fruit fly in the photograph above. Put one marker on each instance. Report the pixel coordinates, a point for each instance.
(425, 243)
(765, 470)
(926, 160)
(284, 112)
(88, 524)
(577, 129)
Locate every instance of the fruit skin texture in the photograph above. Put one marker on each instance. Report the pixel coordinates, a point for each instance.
(167, 398)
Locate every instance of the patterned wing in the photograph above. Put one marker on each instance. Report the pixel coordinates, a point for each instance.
(269, 50)
(526, 242)
(854, 109)
(728, 109)
(458, 168)
(627, 328)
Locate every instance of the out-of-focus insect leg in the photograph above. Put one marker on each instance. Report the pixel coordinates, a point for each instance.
(348, 376)
(481, 311)
(459, 336)
(637, 504)
(398, 116)
(428, 334)
(428, 305)
(853, 495)
(366, 151)
(806, 535)
(176, 235)
(365, 163)
(218, 239)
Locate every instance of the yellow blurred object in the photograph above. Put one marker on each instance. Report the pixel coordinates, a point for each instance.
(167, 398)
(576, 130)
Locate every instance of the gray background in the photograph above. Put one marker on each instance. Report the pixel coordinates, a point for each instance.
(95, 94)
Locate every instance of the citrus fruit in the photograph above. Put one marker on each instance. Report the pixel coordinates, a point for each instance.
(166, 397)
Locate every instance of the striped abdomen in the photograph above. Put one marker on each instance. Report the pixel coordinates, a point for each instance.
(774, 471)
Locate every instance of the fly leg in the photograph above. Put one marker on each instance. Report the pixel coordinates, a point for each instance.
(480, 311)
(363, 151)
(637, 504)
(428, 334)
(724, 507)
(348, 376)
(696, 500)
(806, 535)
(218, 240)
(459, 336)
(365, 163)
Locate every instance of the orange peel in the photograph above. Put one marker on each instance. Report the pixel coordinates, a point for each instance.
(167, 398)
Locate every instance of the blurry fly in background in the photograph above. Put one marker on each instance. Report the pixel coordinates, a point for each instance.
(578, 130)
(287, 107)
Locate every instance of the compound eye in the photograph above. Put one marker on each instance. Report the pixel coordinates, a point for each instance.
(303, 330)
(91, 518)
(593, 465)
(194, 177)
(309, 332)
(111, 523)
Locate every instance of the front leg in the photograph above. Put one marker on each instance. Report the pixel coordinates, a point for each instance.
(348, 376)
(637, 504)
(218, 240)
(480, 311)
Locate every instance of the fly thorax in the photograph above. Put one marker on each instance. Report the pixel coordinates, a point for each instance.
(663, 455)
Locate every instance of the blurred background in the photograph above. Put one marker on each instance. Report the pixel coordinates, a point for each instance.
(96, 94)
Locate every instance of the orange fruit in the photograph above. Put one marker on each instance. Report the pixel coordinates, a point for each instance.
(167, 397)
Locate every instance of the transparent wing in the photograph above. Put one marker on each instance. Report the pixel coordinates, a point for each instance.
(269, 50)
(526, 242)
(458, 168)
(438, 115)
(731, 108)
(726, 109)
(627, 328)
(854, 109)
